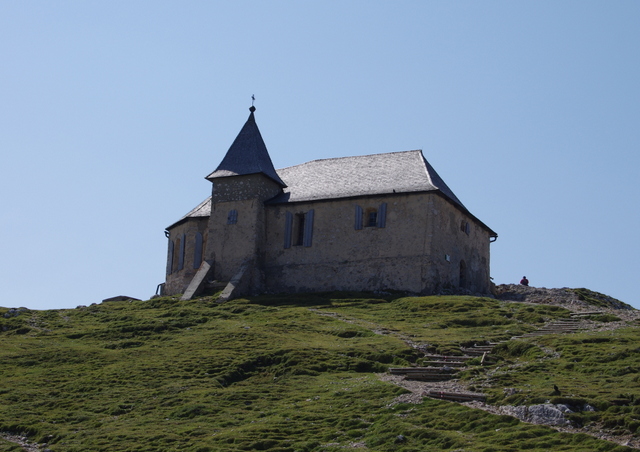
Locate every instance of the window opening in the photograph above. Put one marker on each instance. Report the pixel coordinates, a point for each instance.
(372, 218)
(197, 251)
(298, 229)
(465, 227)
(170, 266)
(176, 255)
(299, 232)
(182, 242)
(232, 218)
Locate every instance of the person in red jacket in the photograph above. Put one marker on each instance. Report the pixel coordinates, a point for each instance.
(524, 281)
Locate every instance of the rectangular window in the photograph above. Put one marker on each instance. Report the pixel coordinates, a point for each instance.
(371, 217)
(232, 218)
(298, 229)
(465, 227)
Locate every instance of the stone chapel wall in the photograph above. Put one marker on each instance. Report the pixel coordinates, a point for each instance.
(186, 242)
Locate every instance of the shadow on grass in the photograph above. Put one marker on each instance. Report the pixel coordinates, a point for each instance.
(321, 299)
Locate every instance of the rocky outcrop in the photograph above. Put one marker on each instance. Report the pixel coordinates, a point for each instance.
(545, 414)
(570, 298)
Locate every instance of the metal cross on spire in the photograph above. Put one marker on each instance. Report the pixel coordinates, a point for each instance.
(253, 99)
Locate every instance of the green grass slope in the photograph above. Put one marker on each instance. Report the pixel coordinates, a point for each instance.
(299, 373)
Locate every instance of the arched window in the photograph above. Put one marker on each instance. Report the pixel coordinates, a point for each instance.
(197, 251)
(170, 266)
(178, 257)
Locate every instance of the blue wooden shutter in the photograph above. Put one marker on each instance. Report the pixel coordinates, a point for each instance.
(170, 258)
(308, 228)
(382, 215)
(358, 222)
(181, 255)
(288, 226)
(197, 251)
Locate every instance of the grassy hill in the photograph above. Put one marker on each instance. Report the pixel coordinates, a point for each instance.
(302, 373)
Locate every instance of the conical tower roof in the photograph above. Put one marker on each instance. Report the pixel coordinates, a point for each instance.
(247, 155)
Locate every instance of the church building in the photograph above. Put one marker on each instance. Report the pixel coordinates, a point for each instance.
(366, 223)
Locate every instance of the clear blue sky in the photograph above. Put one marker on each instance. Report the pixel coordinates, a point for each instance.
(113, 112)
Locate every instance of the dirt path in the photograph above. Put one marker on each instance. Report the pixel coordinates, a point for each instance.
(22, 441)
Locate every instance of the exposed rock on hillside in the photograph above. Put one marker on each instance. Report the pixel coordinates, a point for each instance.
(574, 299)
(544, 414)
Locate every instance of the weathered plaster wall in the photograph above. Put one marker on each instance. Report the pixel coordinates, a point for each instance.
(450, 245)
(419, 250)
(409, 253)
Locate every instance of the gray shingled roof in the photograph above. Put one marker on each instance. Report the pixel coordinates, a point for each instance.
(346, 177)
(378, 174)
(202, 210)
(247, 155)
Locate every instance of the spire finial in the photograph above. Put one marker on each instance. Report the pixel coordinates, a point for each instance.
(253, 99)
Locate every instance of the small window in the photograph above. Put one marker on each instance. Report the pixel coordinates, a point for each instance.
(372, 218)
(170, 258)
(232, 218)
(465, 227)
(197, 250)
(299, 229)
(177, 254)
(183, 243)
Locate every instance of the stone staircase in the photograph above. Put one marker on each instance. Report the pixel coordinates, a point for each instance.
(444, 368)
(570, 325)
(440, 368)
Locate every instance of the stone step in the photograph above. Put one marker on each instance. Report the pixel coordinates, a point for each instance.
(447, 363)
(585, 314)
(419, 370)
(429, 377)
(456, 396)
(447, 358)
(475, 351)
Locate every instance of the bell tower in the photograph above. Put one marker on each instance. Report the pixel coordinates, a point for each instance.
(243, 181)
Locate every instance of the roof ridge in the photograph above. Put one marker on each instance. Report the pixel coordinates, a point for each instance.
(352, 157)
